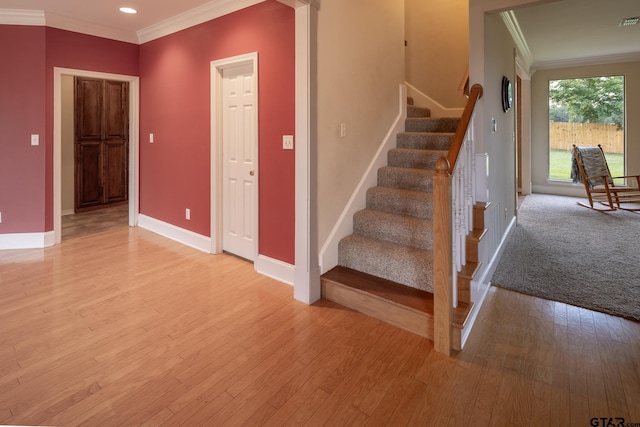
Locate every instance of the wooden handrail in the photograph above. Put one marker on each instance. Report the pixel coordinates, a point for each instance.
(461, 130)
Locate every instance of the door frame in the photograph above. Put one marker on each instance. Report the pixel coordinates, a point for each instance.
(134, 147)
(216, 168)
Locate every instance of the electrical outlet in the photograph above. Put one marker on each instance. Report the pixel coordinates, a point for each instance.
(35, 139)
(187, 214)
(151, 138)
(343, 130)
(0, 217)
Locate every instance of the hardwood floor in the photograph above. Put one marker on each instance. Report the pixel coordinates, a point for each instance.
(128, 328)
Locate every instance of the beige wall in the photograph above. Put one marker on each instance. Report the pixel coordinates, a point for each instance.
(540, 117)
(500, 146)
(437, 52)
(67, 145)
(360, 65)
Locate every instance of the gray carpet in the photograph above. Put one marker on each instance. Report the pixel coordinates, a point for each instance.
(564, 252)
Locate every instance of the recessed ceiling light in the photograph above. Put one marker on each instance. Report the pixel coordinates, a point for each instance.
(128, 10)
(629, 21)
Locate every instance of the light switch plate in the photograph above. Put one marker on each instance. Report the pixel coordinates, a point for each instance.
(287, 142)
(35, 139)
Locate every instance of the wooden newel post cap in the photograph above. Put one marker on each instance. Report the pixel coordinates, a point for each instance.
(442, 166)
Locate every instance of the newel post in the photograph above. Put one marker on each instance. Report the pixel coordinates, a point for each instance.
(442, 258)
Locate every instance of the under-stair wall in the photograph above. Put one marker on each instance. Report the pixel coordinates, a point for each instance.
(328, 254)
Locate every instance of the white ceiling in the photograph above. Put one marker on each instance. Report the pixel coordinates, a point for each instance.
(105, 13)
(555, 33)
(571, 31)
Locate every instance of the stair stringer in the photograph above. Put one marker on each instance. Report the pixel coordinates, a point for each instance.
(328, 254)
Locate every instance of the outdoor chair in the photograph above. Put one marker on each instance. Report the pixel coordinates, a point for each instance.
(589, 166)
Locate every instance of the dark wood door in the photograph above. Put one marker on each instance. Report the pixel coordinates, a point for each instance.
(101, 143)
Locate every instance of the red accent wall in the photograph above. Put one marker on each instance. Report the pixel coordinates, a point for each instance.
(26, 107)
(175, 107)
(67, 49)
(22, 113)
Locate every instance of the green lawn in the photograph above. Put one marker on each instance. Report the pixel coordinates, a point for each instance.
(560, 164)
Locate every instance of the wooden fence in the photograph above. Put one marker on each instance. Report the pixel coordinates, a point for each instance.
(563, 135)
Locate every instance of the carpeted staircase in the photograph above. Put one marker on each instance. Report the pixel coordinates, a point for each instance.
(392, 238)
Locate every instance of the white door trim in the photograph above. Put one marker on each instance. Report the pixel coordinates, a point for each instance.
(134, 148)
(216, 197)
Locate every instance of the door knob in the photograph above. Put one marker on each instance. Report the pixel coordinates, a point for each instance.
(251, 173)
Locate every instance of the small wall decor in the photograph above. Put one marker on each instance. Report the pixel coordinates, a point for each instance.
(507, 94)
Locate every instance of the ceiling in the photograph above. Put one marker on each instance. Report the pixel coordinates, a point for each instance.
(574, 31)
(105, 13)
(551, 34)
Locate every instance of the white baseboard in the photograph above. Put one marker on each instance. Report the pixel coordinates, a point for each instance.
(27, 240)
(328, 255)
(276, 269)
(561, 189)
(437, 109)
(68, 212)
(186, 237)
(264, 265)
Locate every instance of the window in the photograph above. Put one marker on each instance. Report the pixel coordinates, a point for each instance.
(586, 112)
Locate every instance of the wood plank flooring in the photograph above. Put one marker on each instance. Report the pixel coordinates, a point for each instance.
(128, 328)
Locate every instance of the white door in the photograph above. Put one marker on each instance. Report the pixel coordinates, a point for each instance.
(239, 157)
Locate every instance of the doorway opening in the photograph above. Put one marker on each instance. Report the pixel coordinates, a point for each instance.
(131, 209)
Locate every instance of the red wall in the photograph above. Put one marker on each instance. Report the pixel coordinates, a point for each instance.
(175, 107)
(22, 166)
(66, 49)
(26, 107)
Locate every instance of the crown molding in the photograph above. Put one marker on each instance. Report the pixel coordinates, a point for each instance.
(511, 22)
(78, 26)
(594, 60)
(22, 17)
(190, 18)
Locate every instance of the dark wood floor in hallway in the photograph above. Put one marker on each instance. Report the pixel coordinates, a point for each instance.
(126, 327)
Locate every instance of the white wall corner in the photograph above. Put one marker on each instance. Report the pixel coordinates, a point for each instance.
(275, 269)
(328, 256)
(180, 235)
(437, 109)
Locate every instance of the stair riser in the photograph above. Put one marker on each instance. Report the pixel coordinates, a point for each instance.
(418, 124)
(425, 141)
(378, 308)
(414, 232)
(405, 179)
(413, 111)
(415, 159)
(400, 205)
(410, 267)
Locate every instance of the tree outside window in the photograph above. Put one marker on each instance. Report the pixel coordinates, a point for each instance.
(586, 112)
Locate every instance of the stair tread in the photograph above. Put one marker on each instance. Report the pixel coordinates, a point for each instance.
(426, 133)
(407, 296)
(420, 151)
(477, 234)
(469, 270)
(392, 227)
